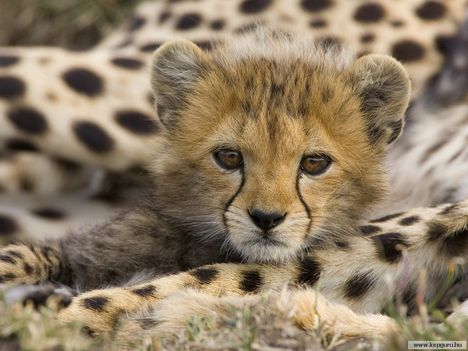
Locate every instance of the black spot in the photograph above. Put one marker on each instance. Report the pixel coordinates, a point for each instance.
(49, 213)
(8, 60)
(128, 63)
(15, 254)
(217, 24)
(135, 23)
(456, 243)
(407, 51)
(204, 275)
(409, 220)
(316, 5)
(369, 229)
(11, 87)
(445, 43)
(397, 23)
(7, 259)
(329, 41)
(66, 164)
(435, 231)
(164, 17)
(148, 290)
(149, 47)
(93, 136)
(367, 38)
(369, 13)
(28, 268)
(26, 184)
(251, 281)
(20, 145)
(318, 23)
(136, 122)
(341, 244)
(431, 10)
(449, 209)
(27, 120)
(254, 6)
(206, 45)
(188, 21)
(96, 303)
(359, 284)
(386, 218)
(84, 81)
(309, 271)
(7, 277)
(389, 246)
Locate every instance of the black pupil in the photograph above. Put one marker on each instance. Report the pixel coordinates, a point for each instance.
(314, 165)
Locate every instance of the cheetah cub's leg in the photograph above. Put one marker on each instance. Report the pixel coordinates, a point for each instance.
(430, 238)
(21, 264)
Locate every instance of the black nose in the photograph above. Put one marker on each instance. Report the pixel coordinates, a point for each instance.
(265, 220)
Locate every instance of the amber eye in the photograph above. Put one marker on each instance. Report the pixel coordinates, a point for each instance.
(315, 164)
(228, 158)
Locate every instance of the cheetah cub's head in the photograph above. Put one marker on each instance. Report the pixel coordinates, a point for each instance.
(273, 144)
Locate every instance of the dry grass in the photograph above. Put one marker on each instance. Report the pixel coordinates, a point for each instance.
(74, 24)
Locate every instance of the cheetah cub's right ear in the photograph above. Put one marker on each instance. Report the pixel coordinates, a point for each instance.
(383, 87)
(177, 67)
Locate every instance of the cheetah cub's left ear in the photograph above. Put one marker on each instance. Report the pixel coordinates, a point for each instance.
(383, 86)
(177, 67)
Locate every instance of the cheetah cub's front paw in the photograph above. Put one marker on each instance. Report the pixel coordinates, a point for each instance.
(18, 266)
(98, 311)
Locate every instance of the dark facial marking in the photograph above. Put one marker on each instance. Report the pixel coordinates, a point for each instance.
(49, 213)
(84, 81)
(407, 51)
(231, 200)
(316, 5)
(251, 281)
(309, 271)
(136, 122)
(386, 218)
(11, 87)
(431, 10)
(306, 206)
(188, 21)
(205, 275)
(369, 229)
(96, 303)
(359, 285)
(20, 145)
(8, 60)
(369, 13)
(254, 6)
(7, 225)
(146, 291)
(389, 246)
(127, 63)
(409, 220)
(93, 136)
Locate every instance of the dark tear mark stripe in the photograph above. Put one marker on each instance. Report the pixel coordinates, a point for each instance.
(306, 207)
(231, 200)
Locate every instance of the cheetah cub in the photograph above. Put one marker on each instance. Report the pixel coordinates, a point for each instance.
(273, 151)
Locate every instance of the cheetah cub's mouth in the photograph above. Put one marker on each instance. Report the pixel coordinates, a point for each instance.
(278, 142)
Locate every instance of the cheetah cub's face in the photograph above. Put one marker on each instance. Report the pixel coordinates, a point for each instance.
(273, 145)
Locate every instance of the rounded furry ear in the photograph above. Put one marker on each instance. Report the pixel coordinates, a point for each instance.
(177, 67)
(383, 87)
